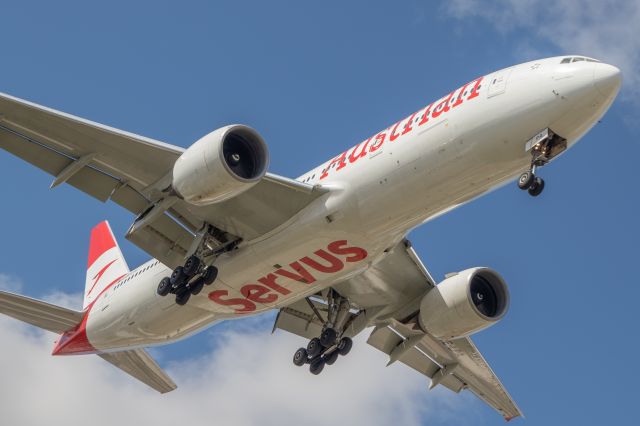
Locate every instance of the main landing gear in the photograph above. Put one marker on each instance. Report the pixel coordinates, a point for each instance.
(544, 146)
(325, 349)
(187, 280)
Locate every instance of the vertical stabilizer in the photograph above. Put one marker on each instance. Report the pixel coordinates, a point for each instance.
(106, 263)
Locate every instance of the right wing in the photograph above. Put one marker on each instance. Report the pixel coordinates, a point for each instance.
(140, 365)
(132, 171)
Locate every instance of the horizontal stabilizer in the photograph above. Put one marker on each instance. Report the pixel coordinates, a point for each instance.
(139, 364)
(36, 312)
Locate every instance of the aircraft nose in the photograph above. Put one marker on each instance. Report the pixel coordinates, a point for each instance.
(607, 79)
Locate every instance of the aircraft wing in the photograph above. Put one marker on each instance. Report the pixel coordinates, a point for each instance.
(132, 170)
(454, 364)
(389, 295)
(140, 365)
(391, 288)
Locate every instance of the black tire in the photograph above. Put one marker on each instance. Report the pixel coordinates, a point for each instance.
(328, 337)
(526, 180)
(300, 358)
(331, 358)
(210, 274)
(344, 346)
(196, 286)
(314, 347)
(164, 287)
(316, 366)
(191, 266)
(178, 277)
(537, 187)
(182, 297)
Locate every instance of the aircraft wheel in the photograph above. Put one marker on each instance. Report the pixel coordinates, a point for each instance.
(316, 366)
(328, 337)
(526, 180)
(345, 345)
(183, 297)
(330, 359)
(314, 347)
(164, 287)
(191, 266)
(300, 357)
(196, 286)
(178, 277)
(536, 188)
(210, 274)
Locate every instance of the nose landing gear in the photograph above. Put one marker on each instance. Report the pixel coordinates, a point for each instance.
(544, 146)
(325, 349)
(528, 181)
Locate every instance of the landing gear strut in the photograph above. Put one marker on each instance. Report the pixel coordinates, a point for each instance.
(324, 350)
(189, 279)
(544, 146)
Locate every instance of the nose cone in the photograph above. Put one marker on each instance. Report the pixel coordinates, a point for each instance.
(607, 79)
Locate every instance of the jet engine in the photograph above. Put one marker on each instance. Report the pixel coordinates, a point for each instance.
(220, 165)
(465, 303)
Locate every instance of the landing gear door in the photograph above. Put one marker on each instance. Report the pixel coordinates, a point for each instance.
(498, 82)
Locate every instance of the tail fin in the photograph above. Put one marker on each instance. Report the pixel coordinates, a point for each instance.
(106, 263)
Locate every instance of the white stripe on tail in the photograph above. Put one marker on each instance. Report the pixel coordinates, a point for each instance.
(106, 263)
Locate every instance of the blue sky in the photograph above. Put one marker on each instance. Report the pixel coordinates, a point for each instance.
(313, 80)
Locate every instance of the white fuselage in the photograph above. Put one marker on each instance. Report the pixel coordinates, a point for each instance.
(457, 148)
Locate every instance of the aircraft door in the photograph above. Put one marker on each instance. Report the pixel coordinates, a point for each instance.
(498, 82)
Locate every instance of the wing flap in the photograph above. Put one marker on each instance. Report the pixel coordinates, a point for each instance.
(165, 240)
(300, 319)
(36, 312)
(139, 364)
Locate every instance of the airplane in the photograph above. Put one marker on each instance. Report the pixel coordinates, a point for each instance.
(329, 249)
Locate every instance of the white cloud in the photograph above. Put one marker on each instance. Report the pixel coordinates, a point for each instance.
(10, 283)
(247, 378)
(604, 29)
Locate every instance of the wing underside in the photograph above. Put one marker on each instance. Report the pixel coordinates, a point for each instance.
(388, 295)
(454, 364)
(134, 171)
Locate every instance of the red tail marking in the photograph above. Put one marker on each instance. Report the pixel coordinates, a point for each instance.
(99, 275)
(101, 241)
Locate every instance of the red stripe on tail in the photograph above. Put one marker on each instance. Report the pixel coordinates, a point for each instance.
(101, 241)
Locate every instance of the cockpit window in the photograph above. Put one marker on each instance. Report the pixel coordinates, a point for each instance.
(577, 59)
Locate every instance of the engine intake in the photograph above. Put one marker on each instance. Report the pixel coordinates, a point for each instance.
(221, 165)
(465, 303)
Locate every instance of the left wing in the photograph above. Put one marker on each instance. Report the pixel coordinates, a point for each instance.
(132, 171)
(454, 364)
(389, 295)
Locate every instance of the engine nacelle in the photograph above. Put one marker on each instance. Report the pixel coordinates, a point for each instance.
(220, 165)
(465, 303)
